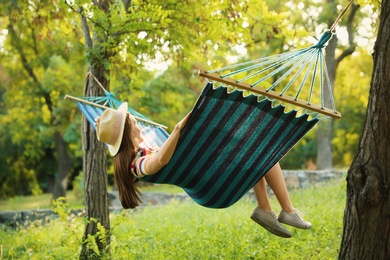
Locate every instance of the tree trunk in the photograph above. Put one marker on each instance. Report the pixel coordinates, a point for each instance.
(324, 132)
(95, 179)
(63, 168)
(94, 157)
(366, 233)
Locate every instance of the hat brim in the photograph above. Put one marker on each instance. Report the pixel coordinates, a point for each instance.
(113, 149)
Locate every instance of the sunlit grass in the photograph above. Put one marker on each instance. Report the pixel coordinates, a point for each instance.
(43, 201)
(189, 231)
(162, 188)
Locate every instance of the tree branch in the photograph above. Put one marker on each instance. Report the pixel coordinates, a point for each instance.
(351, 34)
(127, 4)
(80, 11)
(28, 68)
(86, 32)
(103, 4)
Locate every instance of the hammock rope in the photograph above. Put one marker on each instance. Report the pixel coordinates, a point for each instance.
(108, 101)
(297, 68)
(262, 76)
(340, 15)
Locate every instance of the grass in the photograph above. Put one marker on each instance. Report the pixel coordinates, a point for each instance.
(164, 188)
(189, 231)
(43, 201)
(37, 202)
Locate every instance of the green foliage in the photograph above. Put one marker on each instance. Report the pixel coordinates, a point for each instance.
(91, 240)
(60, 207)
(43, 58)
(78, 186)
(41, 65)
(302, 154)
(351, 92)
(188, 231)
(42, 201)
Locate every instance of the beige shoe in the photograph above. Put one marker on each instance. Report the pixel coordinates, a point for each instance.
(294, 219)
(268, 221)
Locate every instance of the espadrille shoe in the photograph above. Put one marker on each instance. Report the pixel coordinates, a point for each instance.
(268, 221)
(294, 219)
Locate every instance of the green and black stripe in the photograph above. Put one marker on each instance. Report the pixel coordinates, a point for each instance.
(229, 143)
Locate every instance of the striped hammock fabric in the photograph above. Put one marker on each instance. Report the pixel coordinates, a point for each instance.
(228, 144)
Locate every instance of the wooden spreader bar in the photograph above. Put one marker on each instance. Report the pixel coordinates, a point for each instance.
(270, 94)
(105, 107)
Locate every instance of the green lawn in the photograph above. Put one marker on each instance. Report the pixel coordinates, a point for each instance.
(43, 201)
(189, 231)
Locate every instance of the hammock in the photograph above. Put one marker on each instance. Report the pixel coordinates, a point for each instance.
(237, 131)
(228, 144)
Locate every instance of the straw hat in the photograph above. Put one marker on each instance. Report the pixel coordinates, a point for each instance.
(111, 126)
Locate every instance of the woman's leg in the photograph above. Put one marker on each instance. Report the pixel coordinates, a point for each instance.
(261, 194)
(288, 215)
(276, 182)
(263, 214)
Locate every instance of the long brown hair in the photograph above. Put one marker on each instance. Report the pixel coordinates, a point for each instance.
(129, 194)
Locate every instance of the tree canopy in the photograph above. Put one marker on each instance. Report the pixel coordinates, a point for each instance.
(43, 58)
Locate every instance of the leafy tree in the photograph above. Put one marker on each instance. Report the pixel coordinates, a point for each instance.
(41, 62)
(366, 217)
(351, 94)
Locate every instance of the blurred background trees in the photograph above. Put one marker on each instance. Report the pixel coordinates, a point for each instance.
(42, 52)
(147, 53)
(41, 59)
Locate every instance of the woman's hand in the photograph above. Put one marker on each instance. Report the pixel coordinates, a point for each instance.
(183, 122)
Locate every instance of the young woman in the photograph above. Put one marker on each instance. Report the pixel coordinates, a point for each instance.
(119, 130)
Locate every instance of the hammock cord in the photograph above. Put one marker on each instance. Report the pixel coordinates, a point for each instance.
(89, 74)
(340, 16)
(305, 63)
(109, 101)
(328, 84)
(298, 62)
(286, 67)
(309, 68)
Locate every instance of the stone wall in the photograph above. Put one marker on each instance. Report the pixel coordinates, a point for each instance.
(294, 180)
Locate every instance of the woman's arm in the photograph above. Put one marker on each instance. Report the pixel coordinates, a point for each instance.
(158, 160)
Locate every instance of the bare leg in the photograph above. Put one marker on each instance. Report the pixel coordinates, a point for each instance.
(262, 195)
(263, 214)
(276, 182)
